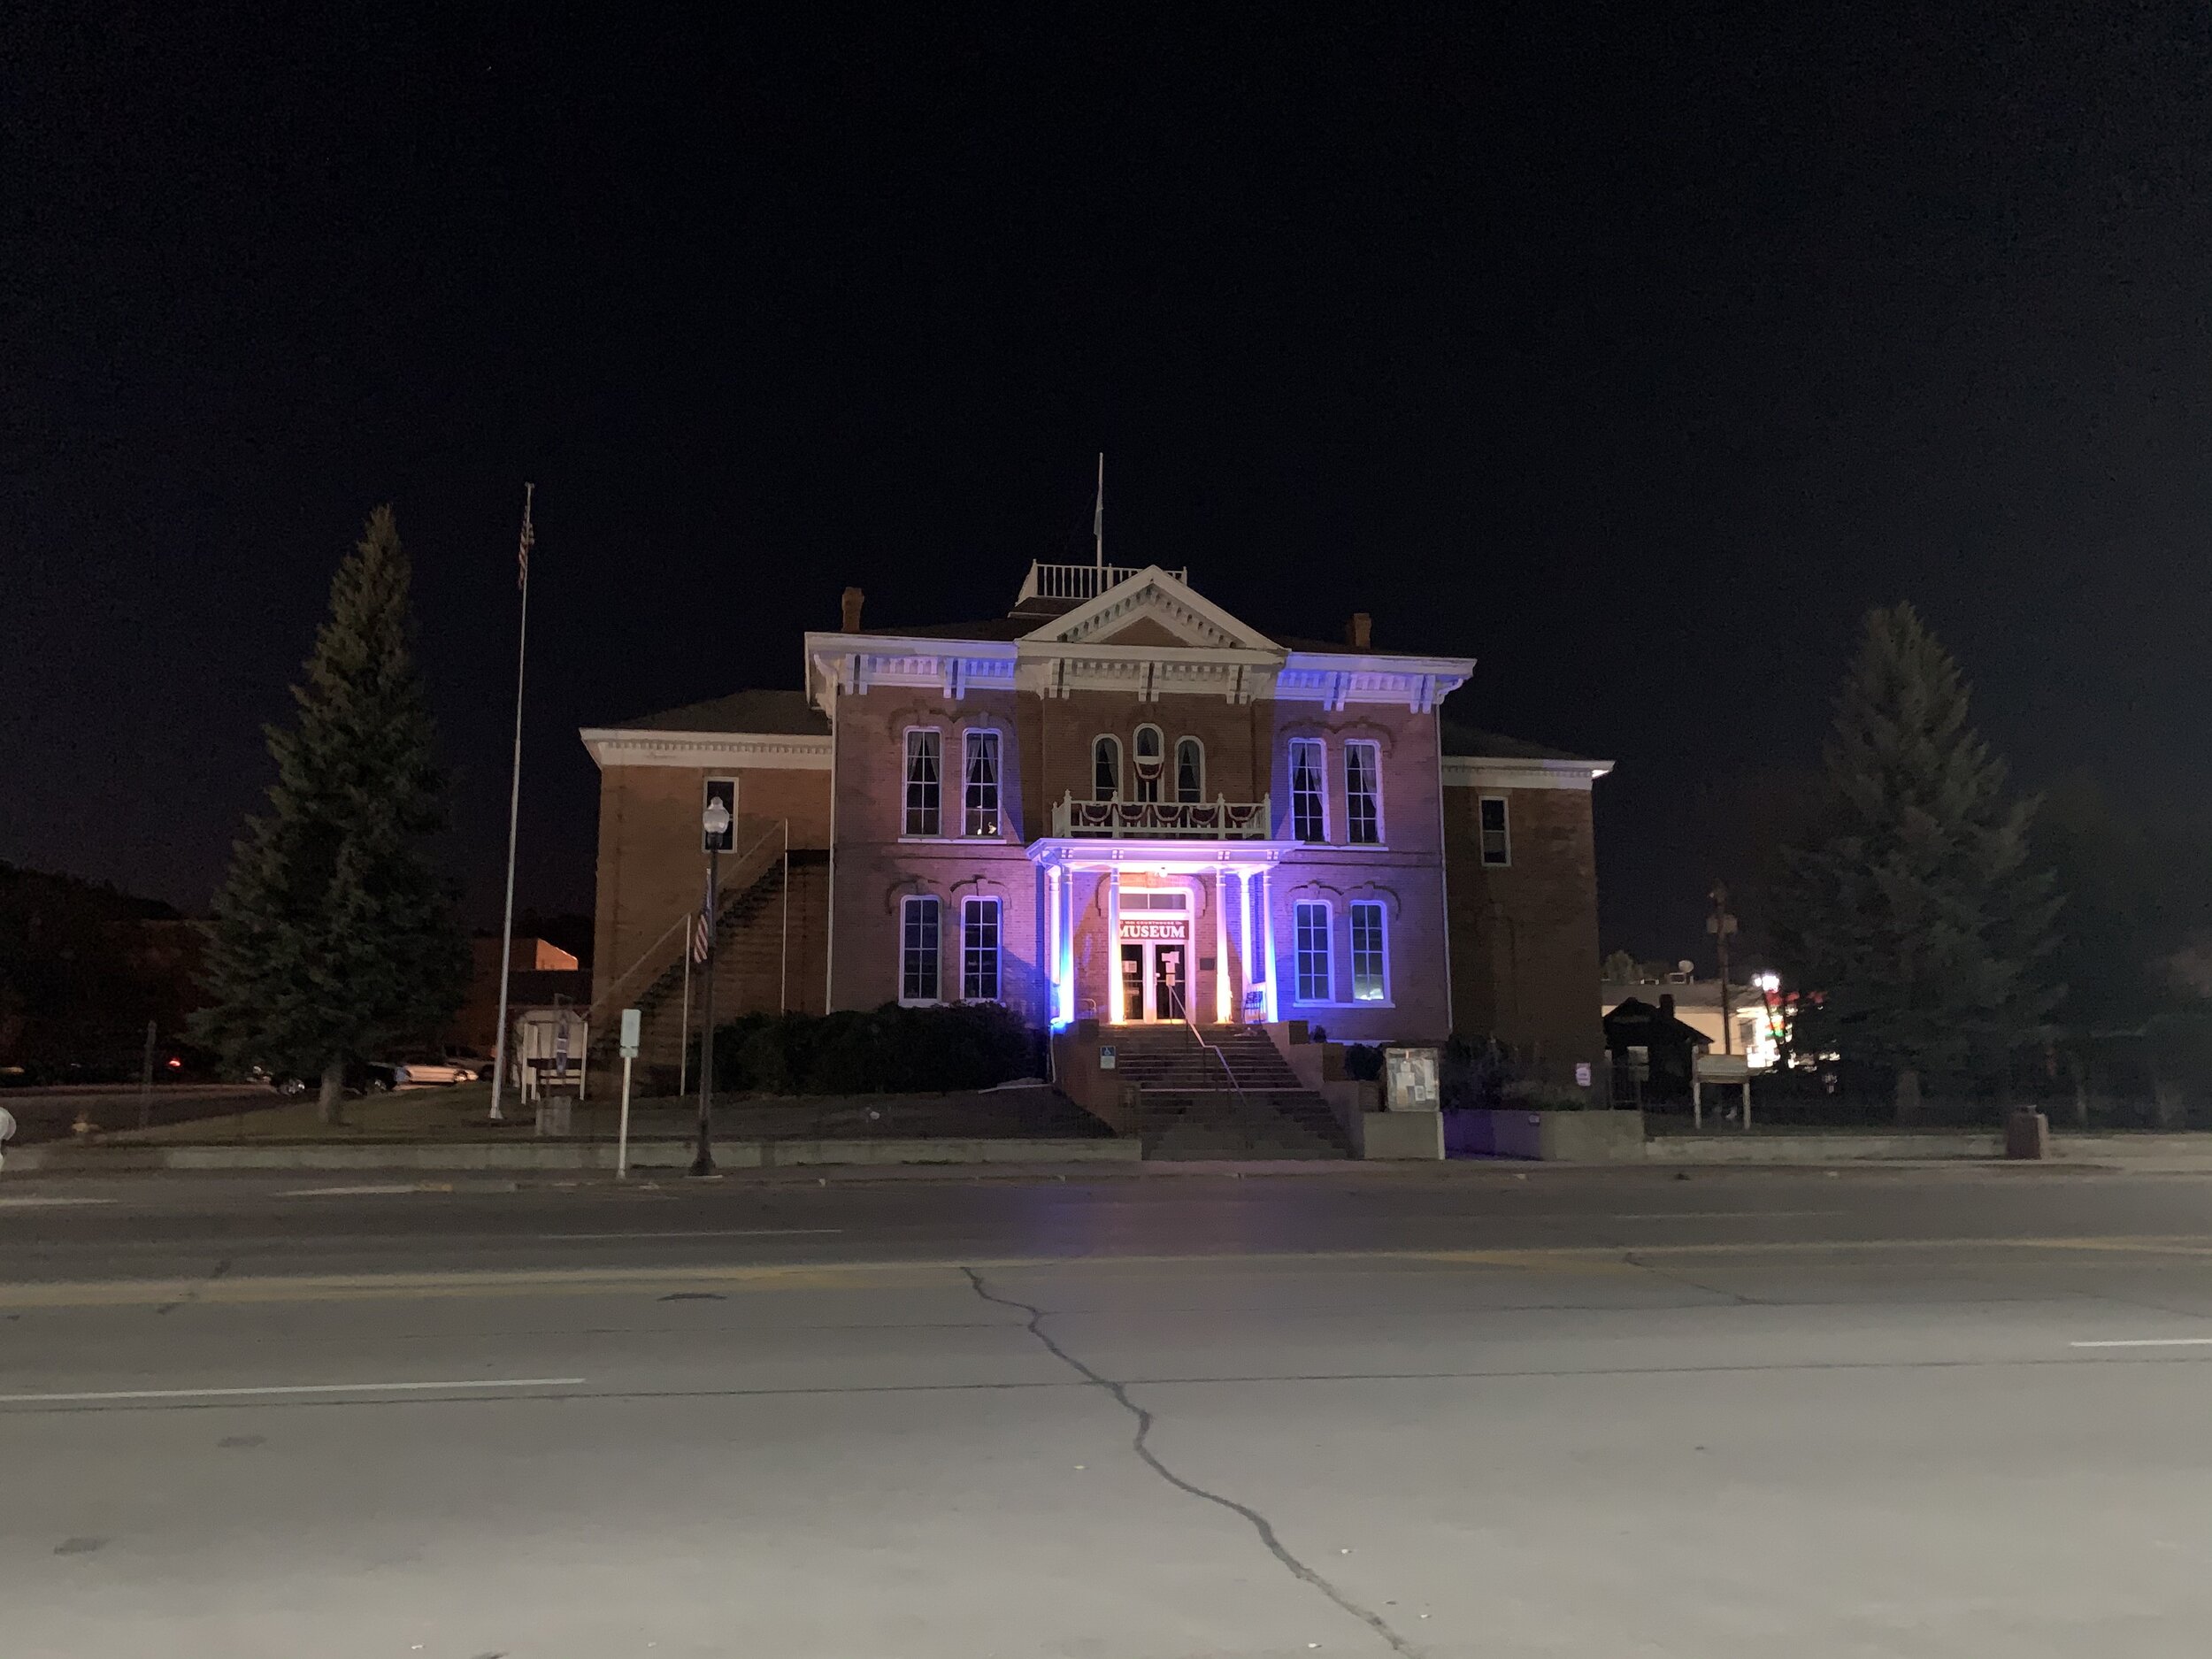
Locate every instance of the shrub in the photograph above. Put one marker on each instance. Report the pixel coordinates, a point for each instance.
(886, 1050)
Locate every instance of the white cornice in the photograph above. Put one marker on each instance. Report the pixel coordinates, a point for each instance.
(851, 663)
(787, 751)
(1335, 679)
(1506, 772)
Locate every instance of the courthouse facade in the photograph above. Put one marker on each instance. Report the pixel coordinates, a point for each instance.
(1118, 801)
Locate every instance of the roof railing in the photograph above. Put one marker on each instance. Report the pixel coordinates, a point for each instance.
(1080, 581)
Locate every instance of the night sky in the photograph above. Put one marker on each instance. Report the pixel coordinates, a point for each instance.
(1634, 354)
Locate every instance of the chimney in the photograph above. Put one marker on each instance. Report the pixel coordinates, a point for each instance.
(852, 596)
(1666, 1004)
(1355, 631)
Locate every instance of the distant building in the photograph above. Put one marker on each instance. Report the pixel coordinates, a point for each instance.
(1117, 802)
(1696, 1002)
(540, 975)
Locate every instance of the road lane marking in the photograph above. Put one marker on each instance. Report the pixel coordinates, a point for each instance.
(1701, 1215)
(366, 1191)
(2150, 1341)
(49, 1202)
(929, 1272)
(289, 1389)
(700, 1233)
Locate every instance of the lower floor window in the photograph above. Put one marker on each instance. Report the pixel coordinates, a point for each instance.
(979, 950)
(918, 950)
(1368, 983)
(1311, 925)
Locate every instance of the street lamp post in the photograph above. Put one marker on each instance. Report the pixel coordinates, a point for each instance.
(718, 826)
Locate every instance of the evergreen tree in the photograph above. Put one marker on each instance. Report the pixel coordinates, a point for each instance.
(333, 934)
(1911, 910)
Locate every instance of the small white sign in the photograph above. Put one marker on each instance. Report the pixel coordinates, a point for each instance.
(631, 1021)
(1722, 1068)
(1106, 1056)
(1582, 1074)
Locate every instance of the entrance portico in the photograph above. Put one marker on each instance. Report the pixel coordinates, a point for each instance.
(1171, 952)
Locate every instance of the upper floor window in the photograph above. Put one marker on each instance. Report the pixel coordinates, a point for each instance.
(979, 950)
(1106, 769)
(924, 770)
(1497, 842)
(1370, 977)
(1362, 793)
(1308, 820)
(980, 754)
(1190, 770)
(1146, 764)
(1311, 922)
(918, 949)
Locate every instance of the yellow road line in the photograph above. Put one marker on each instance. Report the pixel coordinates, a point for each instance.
(1598, 1260)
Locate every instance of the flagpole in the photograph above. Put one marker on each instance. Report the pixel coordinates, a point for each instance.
(1098, 520)
(514, 809)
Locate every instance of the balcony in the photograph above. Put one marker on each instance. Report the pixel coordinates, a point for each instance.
(1080, 581)
(1161, 820)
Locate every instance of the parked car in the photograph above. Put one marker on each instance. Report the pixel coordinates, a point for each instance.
(362, 1077)
(427, 1068)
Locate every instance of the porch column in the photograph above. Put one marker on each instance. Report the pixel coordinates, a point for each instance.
(1267, 940)
(1221, 947)
(1244, 929)
(1052, 942)
(1119, 1005)
(1067, 947)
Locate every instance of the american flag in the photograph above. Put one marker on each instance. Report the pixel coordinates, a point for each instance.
(529, 541)
(702, 926)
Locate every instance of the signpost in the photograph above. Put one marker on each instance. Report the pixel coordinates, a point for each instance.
(631, 1022)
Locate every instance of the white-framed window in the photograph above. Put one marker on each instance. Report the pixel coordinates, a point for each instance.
(1190, 769)
(1308, 790)
(1497, 837)
(979, 950)
(1145, 759)
(979, 760)
(1106, 769)
(924, 781)
(1362, 794)
(1310, 925)
(919, 920)
(1370, 970)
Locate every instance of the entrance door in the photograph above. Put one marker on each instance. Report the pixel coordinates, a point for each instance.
(1134, 979)
(1169, 981)
(1154, 979)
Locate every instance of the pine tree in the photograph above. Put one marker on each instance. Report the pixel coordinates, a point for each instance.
(333, 934)
(1912, 911)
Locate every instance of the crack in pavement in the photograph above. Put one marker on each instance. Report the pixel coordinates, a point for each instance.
(1260, 1524)
(193, 1295)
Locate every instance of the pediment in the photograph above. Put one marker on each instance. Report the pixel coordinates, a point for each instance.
(1153, 609)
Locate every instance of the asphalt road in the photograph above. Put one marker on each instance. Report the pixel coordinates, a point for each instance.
(1342, 1412)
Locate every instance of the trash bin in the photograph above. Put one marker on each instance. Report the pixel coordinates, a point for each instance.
(556, 1114)
(2027, 1134)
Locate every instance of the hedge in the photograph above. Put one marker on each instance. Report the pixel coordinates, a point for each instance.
(880, 1051)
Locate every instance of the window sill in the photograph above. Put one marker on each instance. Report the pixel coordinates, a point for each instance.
(957, 841)
(1295, 1003)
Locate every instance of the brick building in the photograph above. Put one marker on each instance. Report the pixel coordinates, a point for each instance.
(1118, 801)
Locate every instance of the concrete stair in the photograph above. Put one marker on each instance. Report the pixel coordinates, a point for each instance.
(1237, 1099)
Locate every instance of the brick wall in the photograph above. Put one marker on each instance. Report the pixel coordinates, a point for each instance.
(1524, 936)
(650, 870)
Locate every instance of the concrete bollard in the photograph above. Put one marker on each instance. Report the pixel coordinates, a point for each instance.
(2027, 1134)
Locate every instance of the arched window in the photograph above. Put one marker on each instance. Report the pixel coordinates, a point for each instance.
(1147, 768)
(1190, 770)
(1106, 769)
